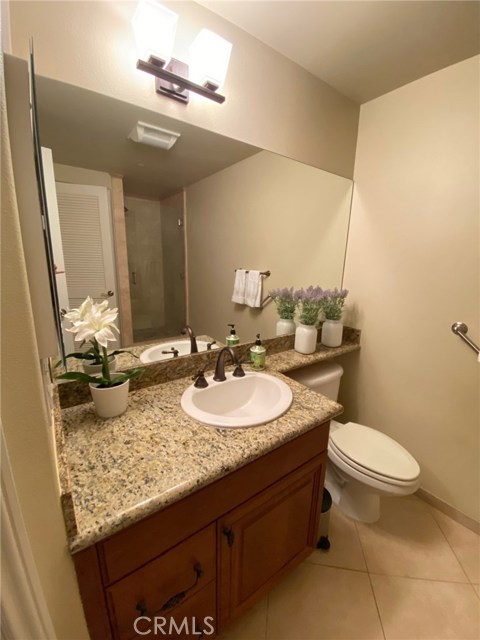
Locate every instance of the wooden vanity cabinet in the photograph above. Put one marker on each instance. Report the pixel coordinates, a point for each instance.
(207, 558)
(262, 539)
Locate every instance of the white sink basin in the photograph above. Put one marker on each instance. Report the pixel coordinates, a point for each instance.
(154, 354)
(238, 402)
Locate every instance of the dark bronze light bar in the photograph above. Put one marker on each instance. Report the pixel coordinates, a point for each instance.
(158, 71)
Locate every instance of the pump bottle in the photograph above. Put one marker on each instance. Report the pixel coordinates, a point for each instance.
(257, 355)
(232, 339)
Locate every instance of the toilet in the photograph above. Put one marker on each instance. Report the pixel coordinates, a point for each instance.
(364, 463)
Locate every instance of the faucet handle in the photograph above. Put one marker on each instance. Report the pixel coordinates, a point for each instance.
(239, 372)
(210, 345)
(200, 382)
(172, 351)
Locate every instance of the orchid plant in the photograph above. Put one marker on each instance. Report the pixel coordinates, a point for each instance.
(93, 322)
(285, 302)
(333, 302)
(310, 303)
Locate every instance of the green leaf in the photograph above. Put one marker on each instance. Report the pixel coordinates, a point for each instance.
(82, 377)
(115, 353)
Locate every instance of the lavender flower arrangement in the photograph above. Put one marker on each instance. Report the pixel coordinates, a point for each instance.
(332, 303)
(285, 302)
(310, 303)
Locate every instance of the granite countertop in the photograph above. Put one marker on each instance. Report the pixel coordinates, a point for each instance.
(115, 472)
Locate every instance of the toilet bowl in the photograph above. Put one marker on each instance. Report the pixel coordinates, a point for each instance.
(364, 463)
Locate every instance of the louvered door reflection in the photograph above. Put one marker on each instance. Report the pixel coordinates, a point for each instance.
(86, 229)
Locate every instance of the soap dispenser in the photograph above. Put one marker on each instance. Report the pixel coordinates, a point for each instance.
(232, 339)
(257, 354)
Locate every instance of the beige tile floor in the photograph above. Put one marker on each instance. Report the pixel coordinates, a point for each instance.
(414, 574)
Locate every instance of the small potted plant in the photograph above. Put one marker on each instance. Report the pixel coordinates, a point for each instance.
(94, 322)
(332, 308)
(286, 307)
(309, 301)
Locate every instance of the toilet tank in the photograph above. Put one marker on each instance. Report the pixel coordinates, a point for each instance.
(322, 377)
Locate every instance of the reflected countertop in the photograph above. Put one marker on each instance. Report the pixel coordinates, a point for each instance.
(115, 472)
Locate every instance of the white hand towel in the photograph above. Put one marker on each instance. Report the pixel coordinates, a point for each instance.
(239, 286)
(253, 290)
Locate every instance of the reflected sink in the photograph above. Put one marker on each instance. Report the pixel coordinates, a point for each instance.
(238, 402)
(154, 354)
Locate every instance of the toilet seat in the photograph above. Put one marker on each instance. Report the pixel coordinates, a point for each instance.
(373, 454)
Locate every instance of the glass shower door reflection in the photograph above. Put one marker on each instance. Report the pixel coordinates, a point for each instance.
(156, 260)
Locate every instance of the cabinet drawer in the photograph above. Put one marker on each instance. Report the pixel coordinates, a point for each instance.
(163, 585)
(194, 618)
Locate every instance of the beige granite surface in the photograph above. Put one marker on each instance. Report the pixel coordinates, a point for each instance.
(115, 472)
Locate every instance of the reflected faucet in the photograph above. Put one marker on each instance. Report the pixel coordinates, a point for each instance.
(193, 340)
(220, 366)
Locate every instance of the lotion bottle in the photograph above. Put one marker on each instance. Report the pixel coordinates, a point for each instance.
(232, 339)
(257, 355)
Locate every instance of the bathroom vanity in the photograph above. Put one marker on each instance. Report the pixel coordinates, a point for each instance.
(212, 555)
(176, 523)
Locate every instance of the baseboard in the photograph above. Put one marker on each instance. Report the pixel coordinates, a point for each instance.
(448, 510)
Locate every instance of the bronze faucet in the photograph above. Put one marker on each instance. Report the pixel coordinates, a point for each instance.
(193, 340)
(220, 366)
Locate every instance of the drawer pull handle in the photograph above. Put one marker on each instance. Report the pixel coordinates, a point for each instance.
(175, 599)
(229, 534)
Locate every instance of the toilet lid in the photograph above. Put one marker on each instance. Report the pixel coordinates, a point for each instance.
(374, 451)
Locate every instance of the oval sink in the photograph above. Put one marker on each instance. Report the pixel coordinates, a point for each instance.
(238, 402)
(154, 354)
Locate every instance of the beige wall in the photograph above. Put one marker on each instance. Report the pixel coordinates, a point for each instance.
(270, 101)
(78, 175)
(413, 270)
(267, 213)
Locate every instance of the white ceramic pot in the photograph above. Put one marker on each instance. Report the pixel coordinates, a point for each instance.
(306, 338)
(332, 333)
(92, 369)
(110, 401)
(285, 326)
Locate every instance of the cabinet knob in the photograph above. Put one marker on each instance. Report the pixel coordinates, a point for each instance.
(228, 532)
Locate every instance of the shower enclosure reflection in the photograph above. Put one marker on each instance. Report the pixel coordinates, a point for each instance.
(156, 258)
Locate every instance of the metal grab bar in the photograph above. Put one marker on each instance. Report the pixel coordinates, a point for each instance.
(460, 328)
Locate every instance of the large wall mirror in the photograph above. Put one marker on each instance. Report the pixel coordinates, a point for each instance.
(166, 248)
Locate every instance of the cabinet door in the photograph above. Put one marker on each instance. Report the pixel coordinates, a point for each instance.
(265, 537)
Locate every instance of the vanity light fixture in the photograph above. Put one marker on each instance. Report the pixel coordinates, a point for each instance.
(154, 27)
(152, 135)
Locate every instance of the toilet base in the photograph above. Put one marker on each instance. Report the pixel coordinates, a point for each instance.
(352, 498)
(359, 504)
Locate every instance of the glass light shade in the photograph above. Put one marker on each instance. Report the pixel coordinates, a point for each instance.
(209, 57)
(154, 27)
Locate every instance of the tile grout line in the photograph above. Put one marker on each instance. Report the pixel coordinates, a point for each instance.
(392, 575)
(451, 547)
(370, 580)
(334, 566)
(477, 593)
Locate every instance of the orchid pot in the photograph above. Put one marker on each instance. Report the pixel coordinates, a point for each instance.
(110, 401)
(94, 322)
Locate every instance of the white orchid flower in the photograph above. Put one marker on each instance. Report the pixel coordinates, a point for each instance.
(78, 315)
(93, 321)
